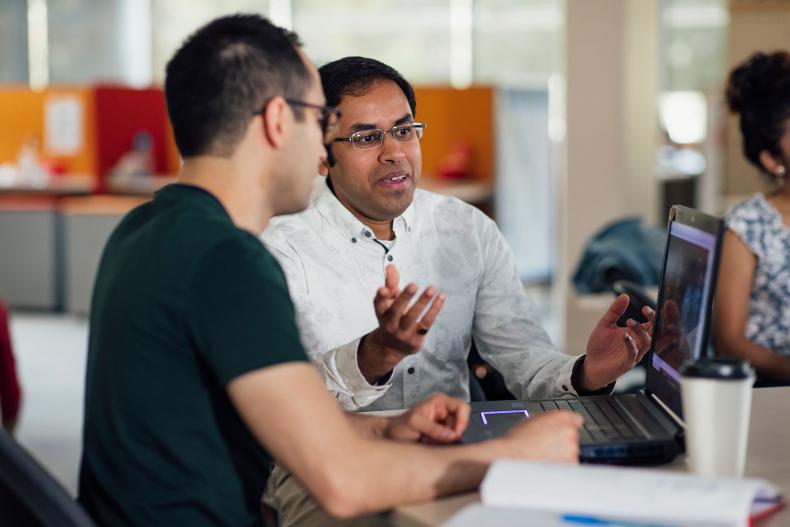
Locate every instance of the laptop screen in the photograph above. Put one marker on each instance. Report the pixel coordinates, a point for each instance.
(680, 333)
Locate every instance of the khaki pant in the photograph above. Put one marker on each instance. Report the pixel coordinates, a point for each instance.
(296, 508)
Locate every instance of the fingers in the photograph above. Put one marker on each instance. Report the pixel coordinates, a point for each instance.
(433, 311)
(399, 305)
(560, 418)
(397, 317)
(433, 430)
(383, 301)
(630, 344)
(553, 436)
(458, 413)
(616, 309)
(441, 418)
(392, 277)
(640, 334)
(410, 318)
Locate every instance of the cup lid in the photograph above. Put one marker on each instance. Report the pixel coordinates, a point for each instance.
(717, 368)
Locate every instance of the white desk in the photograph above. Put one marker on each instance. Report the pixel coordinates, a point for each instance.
(768, 458)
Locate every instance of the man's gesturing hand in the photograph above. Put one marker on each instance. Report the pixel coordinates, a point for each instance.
(401, 330)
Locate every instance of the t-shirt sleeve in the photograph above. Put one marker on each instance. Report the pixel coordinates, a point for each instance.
(240, 313)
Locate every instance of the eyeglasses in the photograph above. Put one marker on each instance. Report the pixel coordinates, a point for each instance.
(367, 139)
(328, 118)
(329, 114)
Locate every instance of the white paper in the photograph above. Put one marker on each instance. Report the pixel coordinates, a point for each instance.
(63, 115)
(622, 492)
(479, 515)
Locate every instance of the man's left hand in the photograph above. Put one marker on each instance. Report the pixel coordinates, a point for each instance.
(438, 419)
(612, 350)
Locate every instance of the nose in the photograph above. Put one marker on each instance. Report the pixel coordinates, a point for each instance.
(391, 150)
(323, 154)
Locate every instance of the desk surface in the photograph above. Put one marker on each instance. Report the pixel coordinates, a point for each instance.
(767, 458)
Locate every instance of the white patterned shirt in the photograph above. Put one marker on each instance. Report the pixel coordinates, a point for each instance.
(334, 265)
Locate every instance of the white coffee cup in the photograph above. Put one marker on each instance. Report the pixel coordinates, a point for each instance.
(717, 400)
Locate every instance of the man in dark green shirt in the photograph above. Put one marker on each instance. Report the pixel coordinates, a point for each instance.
(194, 361)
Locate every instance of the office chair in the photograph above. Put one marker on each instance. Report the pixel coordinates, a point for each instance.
(29, 496)
(485, 383)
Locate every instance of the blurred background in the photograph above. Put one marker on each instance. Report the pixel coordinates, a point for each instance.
(555, 117)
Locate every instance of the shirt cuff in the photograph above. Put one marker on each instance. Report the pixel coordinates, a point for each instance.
(359, 388)
(563, 386)
(576, 380)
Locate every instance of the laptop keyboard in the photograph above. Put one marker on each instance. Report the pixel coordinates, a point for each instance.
(602, 419)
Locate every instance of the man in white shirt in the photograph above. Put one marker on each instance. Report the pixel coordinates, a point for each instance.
(369, 228)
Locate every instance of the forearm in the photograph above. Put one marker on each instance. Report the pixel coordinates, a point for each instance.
(764, 360)
(368, 426)
(424, 473)
(374, 360)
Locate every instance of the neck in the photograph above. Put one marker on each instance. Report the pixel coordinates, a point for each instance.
(381, 229)
(243, 198)
(782, 192)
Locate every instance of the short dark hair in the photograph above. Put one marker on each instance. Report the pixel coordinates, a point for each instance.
(355, 76)
(225, 72)
(759, 91)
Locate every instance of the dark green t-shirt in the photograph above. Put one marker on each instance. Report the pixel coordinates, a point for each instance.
(184, 302)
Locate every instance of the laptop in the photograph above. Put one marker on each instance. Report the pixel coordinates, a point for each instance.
(645, 427)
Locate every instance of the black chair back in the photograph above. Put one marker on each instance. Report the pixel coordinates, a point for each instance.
(29, 495)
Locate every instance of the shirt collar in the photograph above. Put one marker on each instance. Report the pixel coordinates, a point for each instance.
(340, 217)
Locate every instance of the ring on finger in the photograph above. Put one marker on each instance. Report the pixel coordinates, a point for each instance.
(422, 329)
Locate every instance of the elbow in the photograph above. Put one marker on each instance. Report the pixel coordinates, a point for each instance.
(338, 492)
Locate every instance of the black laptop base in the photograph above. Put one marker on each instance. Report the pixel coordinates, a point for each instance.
(626, 429)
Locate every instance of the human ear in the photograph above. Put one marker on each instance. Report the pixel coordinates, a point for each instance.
(275, 121)
(770, 163)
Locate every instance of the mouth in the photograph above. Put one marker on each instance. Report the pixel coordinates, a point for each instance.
(394, 181)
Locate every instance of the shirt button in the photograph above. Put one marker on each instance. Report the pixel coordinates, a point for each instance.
(564, 387)
(389, 257)
(353, 240)
(410, 371)
(367, 233)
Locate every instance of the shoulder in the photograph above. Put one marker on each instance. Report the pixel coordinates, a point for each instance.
(749, 220)
(751, 210)
(448, 208)
(749, 217)
(285, 233)
(238, 255)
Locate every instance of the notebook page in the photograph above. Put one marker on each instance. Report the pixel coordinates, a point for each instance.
(626, 492)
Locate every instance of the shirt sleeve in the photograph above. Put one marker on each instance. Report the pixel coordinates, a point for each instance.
(507, 328)
(240, 314)
(746, 222)
(338, 366)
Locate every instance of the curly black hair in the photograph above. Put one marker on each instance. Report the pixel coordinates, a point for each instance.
(759, 91)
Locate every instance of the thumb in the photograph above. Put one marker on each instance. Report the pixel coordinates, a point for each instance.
(616, 309)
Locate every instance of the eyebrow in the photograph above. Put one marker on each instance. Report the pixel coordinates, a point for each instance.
(360, 127)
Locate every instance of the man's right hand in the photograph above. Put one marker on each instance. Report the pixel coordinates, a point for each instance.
(401, 331)
(553, 437)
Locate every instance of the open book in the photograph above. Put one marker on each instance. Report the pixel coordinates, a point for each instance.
(619, 496)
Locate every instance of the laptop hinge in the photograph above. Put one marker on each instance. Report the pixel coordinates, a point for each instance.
(666, 408)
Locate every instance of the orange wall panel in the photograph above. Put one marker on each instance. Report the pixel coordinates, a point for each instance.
(22, 112)
(457, 115)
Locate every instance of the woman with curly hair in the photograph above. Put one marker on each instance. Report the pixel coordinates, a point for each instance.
(752, 314)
